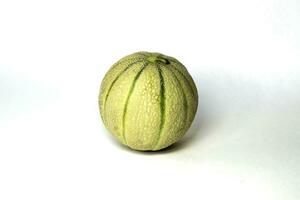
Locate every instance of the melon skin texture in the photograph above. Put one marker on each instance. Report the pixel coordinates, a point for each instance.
(148, 101)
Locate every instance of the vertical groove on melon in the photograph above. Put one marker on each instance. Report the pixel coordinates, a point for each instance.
(143, 117)
(162, 106)
(191, 84)
(174, 120)
(190, 96)
(116, 100)
(113, 82)
(127, 100)
(184, 98)
(188, 78)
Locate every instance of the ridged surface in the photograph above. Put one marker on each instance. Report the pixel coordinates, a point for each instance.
(148, 104)
(162, 98)
(142, 128)
(190, 95)
(132, 87)
(112, 75)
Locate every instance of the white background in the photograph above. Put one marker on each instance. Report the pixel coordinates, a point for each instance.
(243, 55)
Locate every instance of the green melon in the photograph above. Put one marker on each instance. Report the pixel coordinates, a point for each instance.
(148, 101)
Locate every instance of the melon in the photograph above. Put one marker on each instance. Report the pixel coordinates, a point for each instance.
(148, 101)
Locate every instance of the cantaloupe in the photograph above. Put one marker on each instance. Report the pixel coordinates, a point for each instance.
(148, 100)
